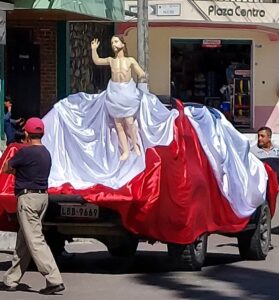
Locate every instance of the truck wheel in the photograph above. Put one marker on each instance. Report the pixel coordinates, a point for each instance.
(123, 248)
(191, 256)
(55, 241)
(254, 244)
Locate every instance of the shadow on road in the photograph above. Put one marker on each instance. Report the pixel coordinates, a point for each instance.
(275, 230)
(21, 287)
(215, 259)
(101, 262)
(150, 268)
(254, 284)
(143, 262)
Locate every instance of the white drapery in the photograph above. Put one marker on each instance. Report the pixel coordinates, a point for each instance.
(81, 137)
(83, 142)
(241, 176)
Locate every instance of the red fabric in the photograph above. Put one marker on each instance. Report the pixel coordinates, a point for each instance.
(7, 198)
(175, 199)
(272, 188)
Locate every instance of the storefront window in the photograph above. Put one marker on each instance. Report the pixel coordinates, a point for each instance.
(215, 73)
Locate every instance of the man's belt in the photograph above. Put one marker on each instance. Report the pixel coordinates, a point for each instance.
(27, 191)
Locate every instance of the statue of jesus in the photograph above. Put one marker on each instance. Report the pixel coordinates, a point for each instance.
(121, 107)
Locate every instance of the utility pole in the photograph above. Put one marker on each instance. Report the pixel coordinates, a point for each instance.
(142, 36)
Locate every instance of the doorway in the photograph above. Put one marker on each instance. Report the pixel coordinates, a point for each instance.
(23, 73)
(216, 73)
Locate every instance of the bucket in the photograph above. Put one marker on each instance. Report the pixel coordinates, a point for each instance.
(225, 106)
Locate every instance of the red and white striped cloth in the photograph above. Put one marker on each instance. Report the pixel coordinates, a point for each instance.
(175, 191)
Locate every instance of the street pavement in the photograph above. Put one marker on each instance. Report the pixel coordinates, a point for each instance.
(90, 273)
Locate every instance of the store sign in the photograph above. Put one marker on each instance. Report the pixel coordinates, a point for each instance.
(151, 9)
(211, 43)
(160, 9)
(243, 73)
(237, 11)
(246, 12)
(168, 10)
(234, 11)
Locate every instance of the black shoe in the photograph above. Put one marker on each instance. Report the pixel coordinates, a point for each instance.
(8, 288)
(51, 289)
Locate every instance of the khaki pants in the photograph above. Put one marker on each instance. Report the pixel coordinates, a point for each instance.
(31, 242)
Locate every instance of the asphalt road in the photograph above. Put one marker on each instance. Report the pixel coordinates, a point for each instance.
(90, 273)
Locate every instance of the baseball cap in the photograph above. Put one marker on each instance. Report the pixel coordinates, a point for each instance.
(34, 125)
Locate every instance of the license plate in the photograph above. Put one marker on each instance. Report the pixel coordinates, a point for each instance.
(80, 211)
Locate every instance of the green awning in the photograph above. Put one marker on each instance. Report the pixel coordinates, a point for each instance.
(106, 9)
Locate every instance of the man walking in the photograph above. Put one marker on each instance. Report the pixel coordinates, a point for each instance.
(31, 167)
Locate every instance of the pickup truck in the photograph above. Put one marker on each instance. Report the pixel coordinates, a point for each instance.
(176, 200)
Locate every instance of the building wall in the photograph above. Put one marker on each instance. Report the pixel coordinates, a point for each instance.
(228, 12)
(84, 74)
(265, 60)
(44, 35)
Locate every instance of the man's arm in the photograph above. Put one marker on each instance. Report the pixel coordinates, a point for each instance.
(13, 121)
(7, 116)
(96, 59)
(7, 169)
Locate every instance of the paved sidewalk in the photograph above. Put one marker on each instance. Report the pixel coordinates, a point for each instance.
(7, 241)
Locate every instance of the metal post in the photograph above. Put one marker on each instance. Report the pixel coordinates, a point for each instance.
(142, 36)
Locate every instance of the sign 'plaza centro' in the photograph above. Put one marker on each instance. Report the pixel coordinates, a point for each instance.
(237, 11)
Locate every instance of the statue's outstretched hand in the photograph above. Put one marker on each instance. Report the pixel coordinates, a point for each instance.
(95, 44)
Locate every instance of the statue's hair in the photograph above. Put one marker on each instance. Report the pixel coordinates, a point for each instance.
(121, 38)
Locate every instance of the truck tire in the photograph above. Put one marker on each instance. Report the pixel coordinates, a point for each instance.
(191, 256)
(123, 248)
(254, 244)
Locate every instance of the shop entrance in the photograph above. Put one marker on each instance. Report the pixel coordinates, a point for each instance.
(23, 73)
(215, 73)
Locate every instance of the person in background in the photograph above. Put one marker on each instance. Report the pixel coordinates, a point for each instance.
(31, 167)
(266, 151)
(264, 147)
(9, 123)
(20, 137)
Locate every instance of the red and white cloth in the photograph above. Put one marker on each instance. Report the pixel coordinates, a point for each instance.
(181, 186)
(81, 136)
(240, 175)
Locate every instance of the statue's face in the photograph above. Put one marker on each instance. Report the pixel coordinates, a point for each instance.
(116, 44)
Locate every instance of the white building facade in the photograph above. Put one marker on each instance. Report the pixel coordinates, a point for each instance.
(220, 53)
